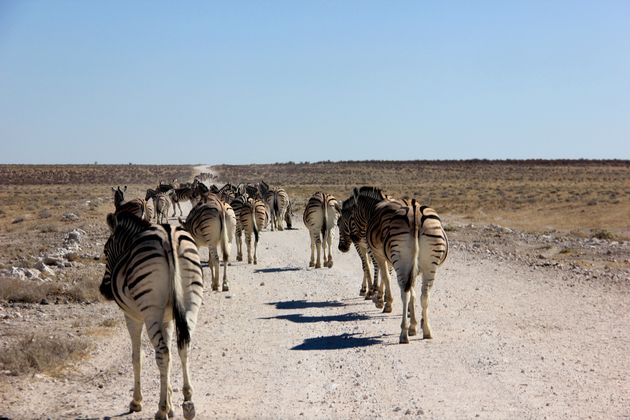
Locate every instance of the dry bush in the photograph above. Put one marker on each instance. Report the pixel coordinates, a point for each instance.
(41, 353)
(28, 291)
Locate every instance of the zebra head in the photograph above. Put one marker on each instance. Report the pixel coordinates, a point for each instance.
(345, 223)
(119, 195)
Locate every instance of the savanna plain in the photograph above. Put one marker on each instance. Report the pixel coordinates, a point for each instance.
(530, 311)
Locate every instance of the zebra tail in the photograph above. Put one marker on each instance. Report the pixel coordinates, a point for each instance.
(413, 273)
(324, 219)
(276, 209)
(179, 311)
(224, 237)
(254, 226)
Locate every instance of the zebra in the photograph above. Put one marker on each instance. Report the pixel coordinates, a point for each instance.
(179, 195)
(320, 216)
(137, 206)
(411, 238)
(245, 223)
(278, 203)
(352, 230)
(206, 222)
(261, 213)
(154, 274)
(161, 203)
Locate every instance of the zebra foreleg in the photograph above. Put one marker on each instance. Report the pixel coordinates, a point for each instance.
(135, 332)
(385, 283)
(239, 244)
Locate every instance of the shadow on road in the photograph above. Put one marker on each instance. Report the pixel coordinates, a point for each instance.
(337, 342)
(276, 269)
(305, 304)
(302, 319)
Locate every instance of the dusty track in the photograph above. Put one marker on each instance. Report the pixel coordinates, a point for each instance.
(292, 342)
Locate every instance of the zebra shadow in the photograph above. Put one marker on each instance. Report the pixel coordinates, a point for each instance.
(337, 342)
(306, 319)
(305, 304)
(276, 269)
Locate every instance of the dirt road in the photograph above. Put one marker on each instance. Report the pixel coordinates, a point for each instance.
(287, 341)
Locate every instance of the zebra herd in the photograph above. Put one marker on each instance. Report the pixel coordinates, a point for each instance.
(154, 272)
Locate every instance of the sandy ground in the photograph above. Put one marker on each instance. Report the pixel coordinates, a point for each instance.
(287, 341)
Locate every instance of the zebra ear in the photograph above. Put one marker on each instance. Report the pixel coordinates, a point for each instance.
(111, 221)
(113, 189)
(125, 189)
(337, 206)
(355, 193)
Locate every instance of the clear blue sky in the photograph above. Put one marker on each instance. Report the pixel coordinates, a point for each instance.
(276, 81)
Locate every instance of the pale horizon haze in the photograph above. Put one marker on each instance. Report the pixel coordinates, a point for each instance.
(261, 82)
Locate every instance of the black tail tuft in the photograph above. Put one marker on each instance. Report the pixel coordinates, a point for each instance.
(181, 325)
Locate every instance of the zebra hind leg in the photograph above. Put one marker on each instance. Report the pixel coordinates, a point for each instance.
(413, 326)
(188, 407)
(427, 283)
(135, 332)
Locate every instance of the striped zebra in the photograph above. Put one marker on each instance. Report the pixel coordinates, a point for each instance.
(278, 203)
(410, 238)
(181, 195)
(154, 275)
(206, 222)
(161, 204)
(349, 234)
(136, 206)
(245, 223)
(353, 225)
(320, 216)
(262, 214)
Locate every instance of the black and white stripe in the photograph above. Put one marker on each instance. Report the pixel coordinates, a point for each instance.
(278, 203)
(206, 222)
(320, 216)
(154, 274)
(246, 224)
(161, 204)
(136, 206)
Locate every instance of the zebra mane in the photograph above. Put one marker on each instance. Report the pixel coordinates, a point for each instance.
(348, 204)
(124, 227)
(370, 192)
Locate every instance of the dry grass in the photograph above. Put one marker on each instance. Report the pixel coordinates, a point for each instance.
(569, 196)
(28, 291)
(42, 353)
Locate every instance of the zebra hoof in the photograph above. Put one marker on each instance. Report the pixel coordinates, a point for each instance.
(362, 293)
(387, 309)
(379, 305)
(189, 410)
(329, 264)
(239, 258)
(215, 287)
(318, 265)
(311, 264)
(225, 288)
(403, 339)
(135, 406)
(412, 331)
